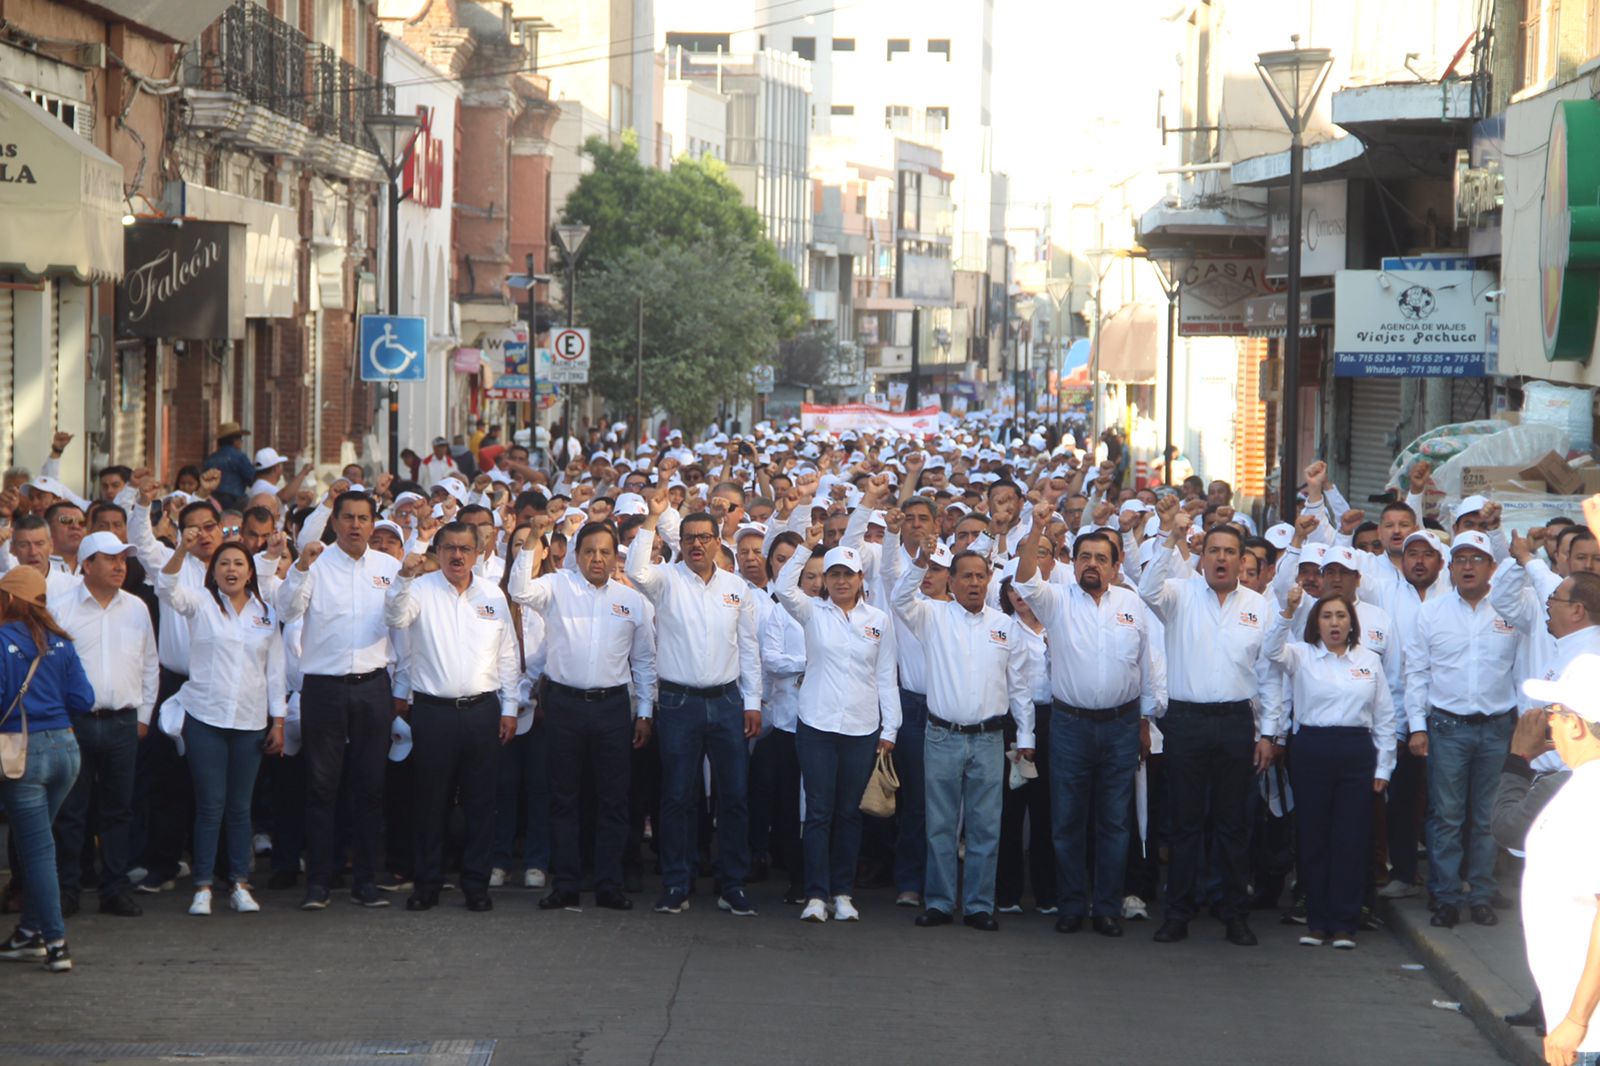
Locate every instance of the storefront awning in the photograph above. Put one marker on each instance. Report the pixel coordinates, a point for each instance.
(1130, 343)
(60, 196)
(1267, 316)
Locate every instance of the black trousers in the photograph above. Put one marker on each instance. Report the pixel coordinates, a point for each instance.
(1210, 766)
(110, 749)
(778, 833)
(644, 802)
(344, 731)
(286, 791)
(597, 737)
(163, 798)
(1030, 804)
(455, 749)
(1407, 795)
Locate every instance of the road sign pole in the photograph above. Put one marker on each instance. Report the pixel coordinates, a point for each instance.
(572, 287)
(394, 309)
(638, 377)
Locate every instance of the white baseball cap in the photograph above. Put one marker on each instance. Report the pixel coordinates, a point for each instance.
(630, 503)
(1313, 554)
(941, 557)
(1470, 505)
(104, 542)
(399, 740)
(170, 721)
(749, 529)
(1344, 557)
(392, 527)
(1471, 540)
(266, 457)
(1428, 537)
(1577, 689)
(57, 488)
(848, 558)
(1280, 536)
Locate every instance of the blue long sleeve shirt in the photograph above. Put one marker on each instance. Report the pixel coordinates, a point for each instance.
(59, 687)
(238, 470)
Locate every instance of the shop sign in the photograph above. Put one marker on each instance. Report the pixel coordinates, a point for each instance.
(1569, 229)
(1211, 300)
(1324, 222)
(183, 281)
(1411, 323)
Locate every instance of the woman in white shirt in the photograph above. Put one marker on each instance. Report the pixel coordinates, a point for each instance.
(1032, 800)
(236, 685)
(849, 709)
(1343, 751)
(783, 664)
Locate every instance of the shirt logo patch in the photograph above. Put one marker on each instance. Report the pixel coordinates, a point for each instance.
(1375, 636)
(621, 611)
(1503, 627)
(871, 632)
(731, 599)
(1360, 673)
(1248, 618)
(487, 611)
(998, 636)
(1124, 618)
(379, 581)
(261, 621)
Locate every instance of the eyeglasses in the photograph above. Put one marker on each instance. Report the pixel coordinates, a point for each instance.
(230, 531)
(697, 538)
(209, 527)
(1558, 599)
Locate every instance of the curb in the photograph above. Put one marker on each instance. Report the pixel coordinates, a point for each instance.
(1484, 995)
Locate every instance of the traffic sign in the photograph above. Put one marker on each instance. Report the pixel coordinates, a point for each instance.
(569, 349)
(765, 377)
(394, 347)
(509, 387)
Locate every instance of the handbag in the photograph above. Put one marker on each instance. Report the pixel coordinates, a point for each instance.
(14, 746)
(878, 800)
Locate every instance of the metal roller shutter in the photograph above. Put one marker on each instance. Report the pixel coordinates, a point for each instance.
(128, 414)
(1375, 416)
(7, 392)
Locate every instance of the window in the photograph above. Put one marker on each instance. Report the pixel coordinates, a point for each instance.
(897, 117)
(939, 46)
(700, 42)
(804, 47)
(844, 44)
(938, 119)
(898, 44)
(842, 109)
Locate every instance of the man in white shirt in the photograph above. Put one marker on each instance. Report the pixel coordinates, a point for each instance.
(1561, 882)
(1099, 669)
(465, 668)
(439, 465)
(709, 659)
(1214, 632)
(346, 706)
(598, 638)
(975, 673)
(1461, 699)
(117, 645)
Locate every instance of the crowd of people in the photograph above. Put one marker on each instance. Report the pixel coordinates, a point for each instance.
(693, 657)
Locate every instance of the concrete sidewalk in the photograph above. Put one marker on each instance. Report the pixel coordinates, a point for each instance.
(1484, 969)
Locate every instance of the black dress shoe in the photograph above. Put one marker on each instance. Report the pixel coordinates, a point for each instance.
(632, 881)
(1106, 925)
(478, 902)
(1172, 930)
(934, 916)
(422, 901)
(69, 905)
(1532, 1018)
(794, 896)
(560, 901)
(1239, 933)
(1483, 914)
(121, 906)
(1069, 923)
(1446, 916)
(981, 920)
(612, 900)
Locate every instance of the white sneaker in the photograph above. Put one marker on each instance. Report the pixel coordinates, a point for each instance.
(201, 904)
(183, 870)
(1133, 908)
(1009, 908)
(816, 911)
(533, 879)
(1398, 889)
(844, 910)
(137, 874)
(263, 843)
(242, 901)
(497, 877)
(908, 899)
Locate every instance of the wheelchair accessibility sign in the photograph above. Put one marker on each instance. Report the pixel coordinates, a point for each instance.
(394, 347)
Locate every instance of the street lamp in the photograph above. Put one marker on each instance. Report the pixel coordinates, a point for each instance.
(1294, 78)
(570, 235)
(530, 282)
(391, 137)
(1060, 290)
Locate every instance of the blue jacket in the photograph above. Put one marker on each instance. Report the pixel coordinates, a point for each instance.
(59, 686)
(238, 470)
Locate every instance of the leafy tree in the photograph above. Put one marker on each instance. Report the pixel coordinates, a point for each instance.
(707, 322)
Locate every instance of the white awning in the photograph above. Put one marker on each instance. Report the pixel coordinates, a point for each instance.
(60, 196)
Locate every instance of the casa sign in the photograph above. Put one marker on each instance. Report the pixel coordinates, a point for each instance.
(1569, 232)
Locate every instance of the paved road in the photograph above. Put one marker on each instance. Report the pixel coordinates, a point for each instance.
(705, 988)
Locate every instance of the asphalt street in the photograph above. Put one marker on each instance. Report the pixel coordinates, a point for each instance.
(452, 988)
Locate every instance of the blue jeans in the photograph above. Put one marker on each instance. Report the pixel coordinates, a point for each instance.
(965, 775)
(691, 729)
(31, 804)
(523, 772)
(223, 763)
(834, 770)
(108, 750)
(1092, 761)
(911, 847)
(1587, 1058)
(1464, 760)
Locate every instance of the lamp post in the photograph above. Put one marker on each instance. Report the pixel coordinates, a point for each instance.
(1294, 78)
(1060, 292)
(570, 235)
(1171, 281)
(391, 137)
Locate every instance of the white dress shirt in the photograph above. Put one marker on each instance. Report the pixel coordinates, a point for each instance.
(1538, 646)
(783, 664)
(237, 675)
(1337, 690)
(705, 630)
(1099, 651)
(850, 685)
(1462, 658)
(594, 637)
(434, 469)
(1037, 647)
(462, 643)
(907, 646)
(173, 639)
(975, 669)
(341, 599)
(1213, 647)
(117, 645)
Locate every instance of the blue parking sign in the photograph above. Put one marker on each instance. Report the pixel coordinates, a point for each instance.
(394, 347)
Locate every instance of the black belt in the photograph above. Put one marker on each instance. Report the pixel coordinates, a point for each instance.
(106, 712)
(348, 679)
(711, 693)
(457, 702)
(589, 695)
(1470, 719)
(988, 725)
(1089, 715)
(1215, 710)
